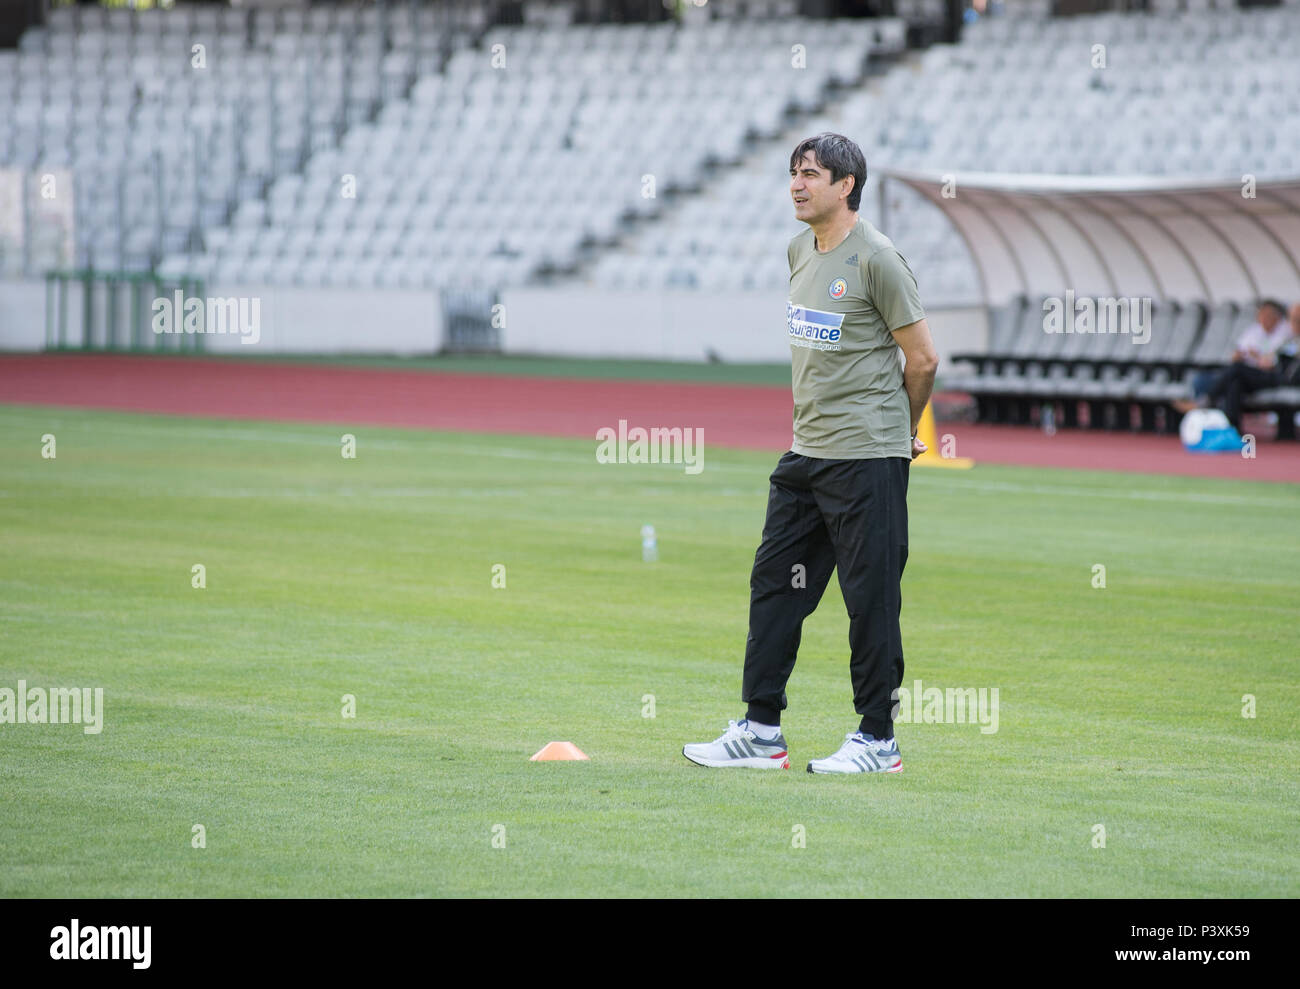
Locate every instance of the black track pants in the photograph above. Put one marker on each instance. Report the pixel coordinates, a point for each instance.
(1234, 384)
(823, 515)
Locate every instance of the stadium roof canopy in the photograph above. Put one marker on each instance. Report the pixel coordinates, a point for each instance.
(1039, 235)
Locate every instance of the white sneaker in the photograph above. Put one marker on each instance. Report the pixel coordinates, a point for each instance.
(861, 754)
(740, 746)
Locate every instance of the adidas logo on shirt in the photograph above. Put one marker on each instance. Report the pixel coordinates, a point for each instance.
(852, 260)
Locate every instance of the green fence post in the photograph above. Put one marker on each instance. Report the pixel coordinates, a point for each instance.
(49, 309)
(64, 279)
(160, 339)
(137, 285)
(87, 309)
(200, 343)
(111, 284)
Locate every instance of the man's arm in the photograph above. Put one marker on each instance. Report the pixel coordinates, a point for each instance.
(918, 375)
(1248, 343)
(891, 286)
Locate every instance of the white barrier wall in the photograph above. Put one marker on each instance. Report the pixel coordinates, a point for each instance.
(289, 320)
(684, 325)
(22, 315)
(669, 325)
(739, 327)
(336, 321)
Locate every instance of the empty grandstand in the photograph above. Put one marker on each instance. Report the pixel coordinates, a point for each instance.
(462, 151)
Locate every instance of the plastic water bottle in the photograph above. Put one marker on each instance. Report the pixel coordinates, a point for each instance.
(649, 548)
(1049, 419)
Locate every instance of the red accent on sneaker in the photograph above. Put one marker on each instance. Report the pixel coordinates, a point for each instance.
(779, 755)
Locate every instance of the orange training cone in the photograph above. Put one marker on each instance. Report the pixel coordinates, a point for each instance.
(554, 751)
(931, 457)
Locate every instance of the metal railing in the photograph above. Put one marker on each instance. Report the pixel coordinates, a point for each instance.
(119, 311)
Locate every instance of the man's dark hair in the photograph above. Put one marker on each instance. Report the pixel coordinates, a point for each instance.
(1273, 304)
(841, 156)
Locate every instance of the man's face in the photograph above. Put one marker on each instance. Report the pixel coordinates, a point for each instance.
(1267, 317)
(1294, 317)
(816, 198)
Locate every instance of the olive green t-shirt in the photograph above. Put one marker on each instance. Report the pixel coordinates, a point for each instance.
(849, 399)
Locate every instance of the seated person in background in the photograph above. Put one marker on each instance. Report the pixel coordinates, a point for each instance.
(1263, 337)
(1275, 368)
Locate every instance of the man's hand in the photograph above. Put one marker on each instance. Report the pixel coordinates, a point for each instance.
(918, 374)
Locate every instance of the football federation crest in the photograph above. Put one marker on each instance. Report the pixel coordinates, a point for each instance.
(838, 288)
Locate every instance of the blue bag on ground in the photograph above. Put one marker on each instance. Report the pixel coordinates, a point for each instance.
(1208, 431)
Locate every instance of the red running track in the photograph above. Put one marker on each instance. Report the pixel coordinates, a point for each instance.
(740, 416)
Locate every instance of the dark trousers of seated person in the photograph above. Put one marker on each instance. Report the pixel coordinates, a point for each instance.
(1236, 383)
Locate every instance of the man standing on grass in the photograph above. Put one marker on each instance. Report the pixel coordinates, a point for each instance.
(838, 498)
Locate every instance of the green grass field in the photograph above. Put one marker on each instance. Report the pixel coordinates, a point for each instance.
(372, 577)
